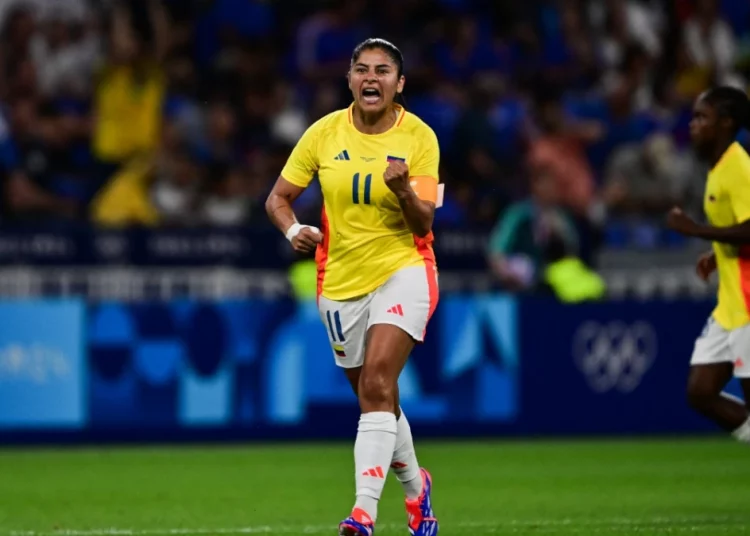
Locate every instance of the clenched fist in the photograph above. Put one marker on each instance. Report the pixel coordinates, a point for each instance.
(396, 177)
(304, 238)
(678, 221)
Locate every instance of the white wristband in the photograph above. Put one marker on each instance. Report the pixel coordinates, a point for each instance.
(296, 227)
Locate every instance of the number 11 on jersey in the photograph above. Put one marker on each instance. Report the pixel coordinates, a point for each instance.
(355, 189)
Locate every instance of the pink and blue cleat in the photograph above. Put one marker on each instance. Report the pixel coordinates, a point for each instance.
(422, 520)
(357, 524)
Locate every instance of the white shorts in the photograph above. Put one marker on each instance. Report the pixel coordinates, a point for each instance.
(406, 300)
(718, 345)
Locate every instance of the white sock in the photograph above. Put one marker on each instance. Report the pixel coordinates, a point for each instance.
(742, 434)
(373, 451)
(404, 463)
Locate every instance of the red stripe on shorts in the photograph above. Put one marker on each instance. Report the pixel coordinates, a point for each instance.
(744, 266)
(321, 253)
(424, 247)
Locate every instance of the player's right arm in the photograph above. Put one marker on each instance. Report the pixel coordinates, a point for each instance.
(295, 177)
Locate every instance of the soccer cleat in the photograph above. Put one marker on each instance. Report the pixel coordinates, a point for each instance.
(357, 524)
(421, 518)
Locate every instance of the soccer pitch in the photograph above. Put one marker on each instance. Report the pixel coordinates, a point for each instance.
(680, 486)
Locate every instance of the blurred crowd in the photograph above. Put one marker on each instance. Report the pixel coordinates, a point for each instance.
(556, 118)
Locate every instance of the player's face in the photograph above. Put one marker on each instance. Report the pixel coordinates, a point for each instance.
(374, 80)
(703, 126)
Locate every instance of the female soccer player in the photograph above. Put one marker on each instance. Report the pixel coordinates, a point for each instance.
(377, 278)
(724, 345)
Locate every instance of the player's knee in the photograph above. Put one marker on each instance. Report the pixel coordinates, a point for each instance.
(698, 396)
(376, 392)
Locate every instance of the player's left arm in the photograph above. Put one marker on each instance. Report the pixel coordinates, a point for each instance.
(417, 187)
(737, 234)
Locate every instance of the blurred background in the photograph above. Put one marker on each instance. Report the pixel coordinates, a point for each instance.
(145, 297)
(140, 138)
(177, 115)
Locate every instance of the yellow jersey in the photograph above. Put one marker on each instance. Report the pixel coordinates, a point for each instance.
(124, 200)
(365, 236)
(726, 203)
(128, 108)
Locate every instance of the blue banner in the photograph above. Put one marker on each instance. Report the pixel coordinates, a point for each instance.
(42, 365)
(610, 367)
(491, 365)
(261, 247)
(267, 363)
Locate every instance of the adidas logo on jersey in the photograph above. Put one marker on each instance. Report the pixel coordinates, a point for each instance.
(343, 155)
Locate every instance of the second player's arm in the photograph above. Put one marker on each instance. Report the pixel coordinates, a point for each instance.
(737, 235)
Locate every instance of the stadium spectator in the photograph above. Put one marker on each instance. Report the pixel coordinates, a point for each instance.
(623, 23)
(488, 138)
(324, 38)
(34, 158)
(648, 179)
(228, 199)
(94, 84)
(66, 51)
(559, 149)
(151, 191)
(711, 43)
(520, 238)
(130, 89)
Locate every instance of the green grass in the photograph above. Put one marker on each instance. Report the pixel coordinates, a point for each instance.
(700, 487)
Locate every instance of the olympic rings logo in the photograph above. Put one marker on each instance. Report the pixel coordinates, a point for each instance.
(615, 355)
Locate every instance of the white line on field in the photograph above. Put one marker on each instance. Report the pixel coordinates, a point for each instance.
(665, 525)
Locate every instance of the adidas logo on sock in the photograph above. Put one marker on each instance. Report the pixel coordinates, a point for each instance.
(377, 472)
(343, 155)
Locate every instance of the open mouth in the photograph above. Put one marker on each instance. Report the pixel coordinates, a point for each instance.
(370, 95)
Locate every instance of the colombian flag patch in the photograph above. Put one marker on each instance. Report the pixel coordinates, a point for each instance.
(390, 158)
(339, 350)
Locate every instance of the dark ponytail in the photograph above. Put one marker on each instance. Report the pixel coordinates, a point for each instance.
(400, 100)
(731, 102)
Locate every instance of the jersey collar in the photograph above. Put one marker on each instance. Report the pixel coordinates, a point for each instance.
(397, 124)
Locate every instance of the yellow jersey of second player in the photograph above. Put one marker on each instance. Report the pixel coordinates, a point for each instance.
(727, 203)
(366, 238)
